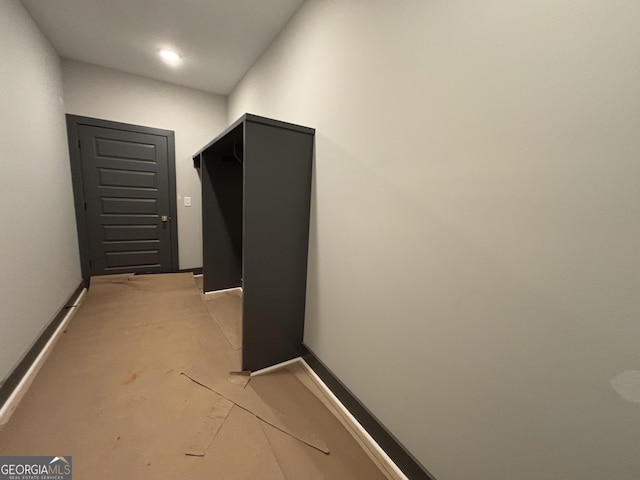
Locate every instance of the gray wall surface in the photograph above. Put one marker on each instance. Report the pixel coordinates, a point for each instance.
(195, 116)
(474, 262)
(39, 263)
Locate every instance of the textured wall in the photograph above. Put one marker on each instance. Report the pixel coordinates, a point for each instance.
(39, 263)
(474, 265)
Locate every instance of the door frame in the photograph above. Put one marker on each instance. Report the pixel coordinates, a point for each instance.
(73, 124)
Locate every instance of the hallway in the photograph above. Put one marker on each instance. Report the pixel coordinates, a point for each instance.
(141, 377)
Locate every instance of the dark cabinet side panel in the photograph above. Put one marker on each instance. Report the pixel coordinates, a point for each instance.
(222, 221)
(277, 189)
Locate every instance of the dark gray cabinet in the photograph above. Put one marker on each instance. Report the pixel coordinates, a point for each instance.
(256, 193)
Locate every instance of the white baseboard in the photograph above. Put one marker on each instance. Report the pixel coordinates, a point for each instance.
(216, 293)
(363, 435)
(21, 389)
(277, 366)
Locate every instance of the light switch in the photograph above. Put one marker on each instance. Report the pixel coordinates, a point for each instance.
(187, 201)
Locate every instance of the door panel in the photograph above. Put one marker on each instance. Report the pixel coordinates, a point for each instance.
(121, 233)
(126, 188)
(109, 147)
(124, 178)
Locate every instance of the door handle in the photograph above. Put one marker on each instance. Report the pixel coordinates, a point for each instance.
(164, 218)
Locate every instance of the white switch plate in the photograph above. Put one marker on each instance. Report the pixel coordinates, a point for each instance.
(187, 201)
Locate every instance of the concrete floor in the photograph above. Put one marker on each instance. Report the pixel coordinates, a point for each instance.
(113, 395)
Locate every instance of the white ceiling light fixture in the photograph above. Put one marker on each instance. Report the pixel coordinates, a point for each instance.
(170, 56)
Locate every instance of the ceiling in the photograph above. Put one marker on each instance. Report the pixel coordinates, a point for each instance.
(219, 40)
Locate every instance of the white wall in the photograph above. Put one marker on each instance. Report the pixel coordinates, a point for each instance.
(39, 264)
(474, 265)
(195, 116)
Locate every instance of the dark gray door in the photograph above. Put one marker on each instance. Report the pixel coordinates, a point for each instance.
(127, 200)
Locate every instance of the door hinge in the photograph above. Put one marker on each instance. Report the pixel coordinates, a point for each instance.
(85, 205)
(79, 144)
(90, 264)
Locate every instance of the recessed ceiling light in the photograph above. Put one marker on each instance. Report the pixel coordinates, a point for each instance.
(170, 56)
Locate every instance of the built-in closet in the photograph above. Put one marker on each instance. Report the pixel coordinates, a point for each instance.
(256, 192)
